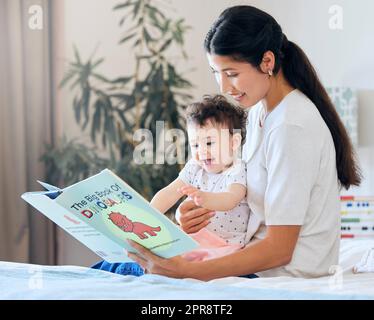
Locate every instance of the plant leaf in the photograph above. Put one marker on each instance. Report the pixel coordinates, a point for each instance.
(77, 109)
(124, 39)
(98, 62)
(122, 80)
(166, 45)
(100, 77)
(123, 5)
(96, 122)
(85, 105)
(68, 75)
(76, 54)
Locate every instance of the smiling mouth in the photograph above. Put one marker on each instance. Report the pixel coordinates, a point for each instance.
(238, 96)
(208, 162)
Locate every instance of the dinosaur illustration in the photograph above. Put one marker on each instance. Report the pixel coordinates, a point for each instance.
(126, 225)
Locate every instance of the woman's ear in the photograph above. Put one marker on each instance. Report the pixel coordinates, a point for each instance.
(268, 62)
(236, 141)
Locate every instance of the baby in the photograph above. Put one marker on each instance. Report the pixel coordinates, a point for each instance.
(215, 177)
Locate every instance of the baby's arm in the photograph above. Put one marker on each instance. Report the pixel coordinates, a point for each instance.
(168, 196)
(219, 201)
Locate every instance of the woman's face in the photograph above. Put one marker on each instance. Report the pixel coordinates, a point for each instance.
(241, 80)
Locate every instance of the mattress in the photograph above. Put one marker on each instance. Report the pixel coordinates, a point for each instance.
(30, 281)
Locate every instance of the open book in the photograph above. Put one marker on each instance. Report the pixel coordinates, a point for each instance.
(103, 211)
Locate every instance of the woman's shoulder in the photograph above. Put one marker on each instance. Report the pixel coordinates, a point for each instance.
(255, 112)
(296, 109)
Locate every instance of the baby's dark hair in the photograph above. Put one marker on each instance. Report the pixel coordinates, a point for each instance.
(219, 110)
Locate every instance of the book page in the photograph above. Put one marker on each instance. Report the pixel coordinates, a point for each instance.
(83, 232)
(112, 207)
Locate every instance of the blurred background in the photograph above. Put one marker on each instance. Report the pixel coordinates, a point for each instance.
(79, 77)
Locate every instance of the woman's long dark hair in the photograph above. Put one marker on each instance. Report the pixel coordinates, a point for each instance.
(245, 33)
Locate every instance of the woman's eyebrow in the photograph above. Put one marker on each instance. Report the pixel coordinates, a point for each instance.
(228, 69)
(224, 70)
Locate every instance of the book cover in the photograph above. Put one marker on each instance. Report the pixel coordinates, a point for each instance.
(103, 211)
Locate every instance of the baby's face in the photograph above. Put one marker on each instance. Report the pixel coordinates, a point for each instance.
(211, 146)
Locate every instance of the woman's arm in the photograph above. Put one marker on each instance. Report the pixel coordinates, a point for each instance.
(164, 199)
(275, 250)
(219, 201)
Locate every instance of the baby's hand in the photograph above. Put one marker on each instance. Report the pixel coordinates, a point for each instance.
(197, 195)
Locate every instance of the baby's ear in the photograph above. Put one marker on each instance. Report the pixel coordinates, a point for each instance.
(236, 141)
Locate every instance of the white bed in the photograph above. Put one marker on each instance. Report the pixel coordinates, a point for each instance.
(27, 281)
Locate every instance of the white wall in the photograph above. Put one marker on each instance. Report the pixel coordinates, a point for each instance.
(341, 57)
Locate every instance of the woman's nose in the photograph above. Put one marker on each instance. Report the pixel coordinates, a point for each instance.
(224, 85)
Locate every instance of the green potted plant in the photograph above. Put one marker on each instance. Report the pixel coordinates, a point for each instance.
(111, 110)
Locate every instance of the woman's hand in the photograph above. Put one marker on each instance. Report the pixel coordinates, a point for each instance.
(193, 218)
(176, 267)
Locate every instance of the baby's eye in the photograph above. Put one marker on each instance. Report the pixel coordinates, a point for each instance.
(195, 146)
(210, 143)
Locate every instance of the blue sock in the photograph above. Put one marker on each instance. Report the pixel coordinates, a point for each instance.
(125, 268)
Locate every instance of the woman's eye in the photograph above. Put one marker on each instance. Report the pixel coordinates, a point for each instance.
(232, 75)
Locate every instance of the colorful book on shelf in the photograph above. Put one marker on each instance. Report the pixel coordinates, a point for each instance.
(103, 211)
(357, 217)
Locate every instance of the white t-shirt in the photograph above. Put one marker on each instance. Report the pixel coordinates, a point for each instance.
(292, 180)
(230, 225)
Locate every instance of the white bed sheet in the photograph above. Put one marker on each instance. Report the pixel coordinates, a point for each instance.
(27, 281)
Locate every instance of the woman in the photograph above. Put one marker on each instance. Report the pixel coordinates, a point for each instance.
(298, 155)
